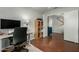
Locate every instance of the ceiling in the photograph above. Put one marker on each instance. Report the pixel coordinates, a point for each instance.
(42, 9)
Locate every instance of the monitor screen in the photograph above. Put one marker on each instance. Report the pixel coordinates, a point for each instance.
(9, 24)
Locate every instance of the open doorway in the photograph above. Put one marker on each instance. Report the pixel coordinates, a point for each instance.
(55, 25)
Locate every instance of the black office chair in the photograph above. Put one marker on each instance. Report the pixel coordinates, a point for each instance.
(20, 39)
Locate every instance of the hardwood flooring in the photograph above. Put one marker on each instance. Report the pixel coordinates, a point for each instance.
(55, 43)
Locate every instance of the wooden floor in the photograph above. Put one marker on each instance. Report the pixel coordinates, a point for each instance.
(55, 43)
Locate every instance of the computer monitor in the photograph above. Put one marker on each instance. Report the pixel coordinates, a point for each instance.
(9, 24)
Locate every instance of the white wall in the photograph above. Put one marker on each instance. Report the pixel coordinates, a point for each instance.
(71, 26)
(62, 11)
(19, 13)
(58, 11)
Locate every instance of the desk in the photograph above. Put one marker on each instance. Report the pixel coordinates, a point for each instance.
(5, 36)
(2, 37)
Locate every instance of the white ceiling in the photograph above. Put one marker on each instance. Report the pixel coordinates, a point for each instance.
(41, 9)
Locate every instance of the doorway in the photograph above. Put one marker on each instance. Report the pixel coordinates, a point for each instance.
(55, 24)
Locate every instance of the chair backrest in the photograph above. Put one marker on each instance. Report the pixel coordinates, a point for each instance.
(19, 35)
